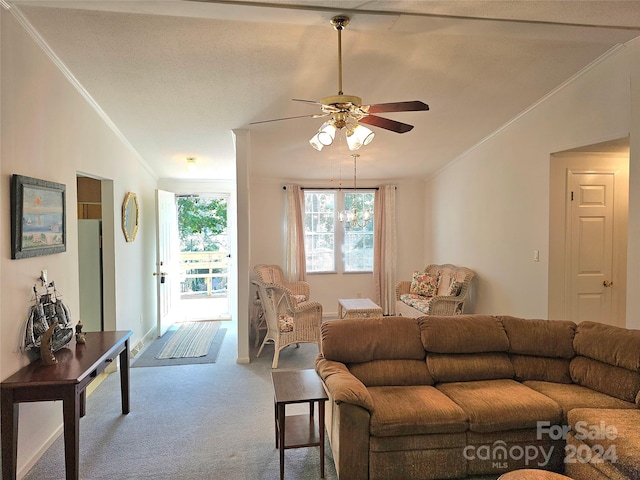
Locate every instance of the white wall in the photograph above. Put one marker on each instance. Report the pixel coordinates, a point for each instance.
(49, 131)
(489, 209)
(267, 237)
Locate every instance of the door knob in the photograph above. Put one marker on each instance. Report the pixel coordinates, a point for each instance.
(607, 283)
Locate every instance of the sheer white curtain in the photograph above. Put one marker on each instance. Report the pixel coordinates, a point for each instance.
(295, 256)
(384, 248)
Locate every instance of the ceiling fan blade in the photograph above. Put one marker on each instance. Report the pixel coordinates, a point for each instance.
(386, 123)
(317, 115)
(412, 106)
(306, 101)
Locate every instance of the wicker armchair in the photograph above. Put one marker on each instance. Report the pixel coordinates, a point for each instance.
(287, 322)
(273, 274)
(443, 302)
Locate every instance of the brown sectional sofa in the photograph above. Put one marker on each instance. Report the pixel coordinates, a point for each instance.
(451, 397)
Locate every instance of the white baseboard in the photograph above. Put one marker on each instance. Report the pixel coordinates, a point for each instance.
(140, 344)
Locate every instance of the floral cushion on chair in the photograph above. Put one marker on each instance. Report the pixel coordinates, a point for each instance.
(419, 302)
(285, 323)
(425, 284)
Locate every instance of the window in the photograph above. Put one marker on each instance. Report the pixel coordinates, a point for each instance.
(325, 236)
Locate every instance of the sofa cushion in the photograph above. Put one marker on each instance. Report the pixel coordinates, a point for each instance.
(605, 343)
(615, 381)
(463, 334)
(463, 367)
(495, 405)
(612, 432)
(544, 338)
(414, 410)
(391, 372)
(546, 369)
(576, 396)
(358, 340)
(425, 284)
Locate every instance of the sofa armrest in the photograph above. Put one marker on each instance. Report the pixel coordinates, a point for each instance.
(348, 419)
(402, 288)
(342, 386)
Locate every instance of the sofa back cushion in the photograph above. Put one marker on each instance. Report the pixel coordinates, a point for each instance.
(602, 377)
(465, 348)
(608, 360)
(605, 343)
(544, 338)
(463, 334)
(466, 367)
(544, 369)
(540, 349)
(378, 351)
(380, 373)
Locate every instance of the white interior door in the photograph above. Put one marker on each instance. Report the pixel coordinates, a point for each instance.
(591, 247)
(167, 260)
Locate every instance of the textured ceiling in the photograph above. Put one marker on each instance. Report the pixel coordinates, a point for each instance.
(176, 77)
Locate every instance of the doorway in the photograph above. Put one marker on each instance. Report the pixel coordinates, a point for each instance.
(204, 256)
(96, 257)
(588, 233)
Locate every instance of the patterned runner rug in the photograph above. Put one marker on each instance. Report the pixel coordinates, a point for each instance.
(192, 339)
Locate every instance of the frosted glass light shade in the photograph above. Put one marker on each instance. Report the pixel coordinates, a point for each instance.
(315, 142)
(327, 133)
(358, 137)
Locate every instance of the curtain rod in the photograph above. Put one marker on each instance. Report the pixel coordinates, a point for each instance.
(284, 187)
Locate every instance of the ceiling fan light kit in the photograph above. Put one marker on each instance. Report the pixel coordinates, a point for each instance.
(347, 111)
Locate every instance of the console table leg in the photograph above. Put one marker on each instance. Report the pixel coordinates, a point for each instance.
(9, 434)
(124, 377)
(71, 418)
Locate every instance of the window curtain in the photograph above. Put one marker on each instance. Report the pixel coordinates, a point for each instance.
(295, 255)
(384, 248)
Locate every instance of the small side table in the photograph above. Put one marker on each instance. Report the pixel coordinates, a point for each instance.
(358, 308)
(298, 431)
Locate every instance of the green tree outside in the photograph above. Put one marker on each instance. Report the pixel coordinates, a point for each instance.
(200, 221)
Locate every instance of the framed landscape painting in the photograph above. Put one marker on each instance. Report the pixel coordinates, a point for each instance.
(37, 217)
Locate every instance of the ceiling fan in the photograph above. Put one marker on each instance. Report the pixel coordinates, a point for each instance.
(347, 111)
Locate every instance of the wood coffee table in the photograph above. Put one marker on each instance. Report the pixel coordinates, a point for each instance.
(358, 308)
(297, 431)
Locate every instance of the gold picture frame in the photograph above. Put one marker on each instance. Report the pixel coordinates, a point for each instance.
(130, 216)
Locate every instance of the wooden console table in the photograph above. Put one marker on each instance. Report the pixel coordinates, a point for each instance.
(78, 365)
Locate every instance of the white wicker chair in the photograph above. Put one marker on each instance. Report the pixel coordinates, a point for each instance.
(441, 303)
(273, 274)
(287, 322)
